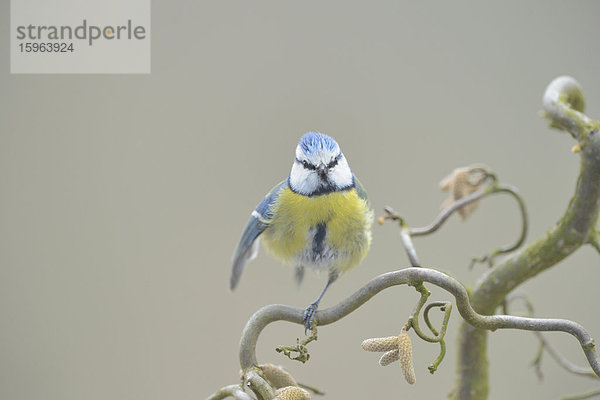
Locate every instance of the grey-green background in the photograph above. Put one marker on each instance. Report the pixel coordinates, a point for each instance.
(122, 197)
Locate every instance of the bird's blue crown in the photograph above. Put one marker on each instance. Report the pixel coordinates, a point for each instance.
(314, 142)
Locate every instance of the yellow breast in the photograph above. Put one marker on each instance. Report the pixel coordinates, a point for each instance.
(347, 219)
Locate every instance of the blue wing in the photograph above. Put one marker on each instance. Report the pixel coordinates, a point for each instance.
(360, 190)
(247, 248)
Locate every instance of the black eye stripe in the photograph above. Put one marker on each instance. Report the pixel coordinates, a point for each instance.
(307, 165)
(312, 167)
(334, 162)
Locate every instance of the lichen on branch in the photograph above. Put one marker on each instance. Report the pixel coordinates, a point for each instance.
(563, 105)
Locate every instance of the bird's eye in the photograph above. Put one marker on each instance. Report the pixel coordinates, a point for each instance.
(334, 162)
(308, 165)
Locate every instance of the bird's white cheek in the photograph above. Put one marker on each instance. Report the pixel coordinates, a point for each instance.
(302, 180)
(341, 175)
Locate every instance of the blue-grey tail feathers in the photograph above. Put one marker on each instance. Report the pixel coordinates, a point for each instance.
(247, 249)
(240, 259)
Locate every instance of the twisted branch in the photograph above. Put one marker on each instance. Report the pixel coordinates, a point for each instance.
(544, 344)
(512, 191)
(447, 212)
(412, 276)
(406, 232)
(563, 361)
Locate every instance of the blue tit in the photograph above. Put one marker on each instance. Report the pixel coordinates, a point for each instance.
(319, 217)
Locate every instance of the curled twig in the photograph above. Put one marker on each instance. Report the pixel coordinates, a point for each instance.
(512, 191)
(564, 104)
(459, 204)
(446, 307)
(545, 345)
(447, 212)
(413, 320)
(563, 361)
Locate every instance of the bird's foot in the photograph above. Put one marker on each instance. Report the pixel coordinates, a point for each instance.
(309, 316)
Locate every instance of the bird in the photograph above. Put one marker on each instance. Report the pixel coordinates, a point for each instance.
(318, 218)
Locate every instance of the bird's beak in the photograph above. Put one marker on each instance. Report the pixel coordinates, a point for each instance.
(322, 171)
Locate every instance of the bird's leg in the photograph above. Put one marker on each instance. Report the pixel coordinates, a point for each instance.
(309, 313)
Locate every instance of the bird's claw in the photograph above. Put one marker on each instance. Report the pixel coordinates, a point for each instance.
(309, 316)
